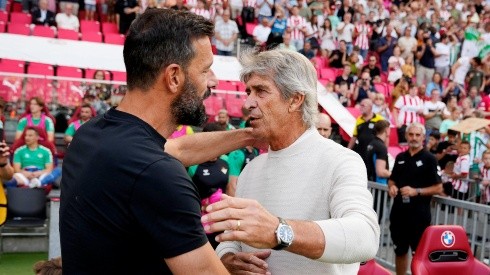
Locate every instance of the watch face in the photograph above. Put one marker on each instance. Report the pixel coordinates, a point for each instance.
(286, 234)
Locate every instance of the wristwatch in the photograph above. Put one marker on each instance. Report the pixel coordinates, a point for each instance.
(419, 191)
(284, 235)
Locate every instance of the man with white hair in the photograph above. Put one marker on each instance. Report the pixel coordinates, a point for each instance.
(324, 125)
(319, 212)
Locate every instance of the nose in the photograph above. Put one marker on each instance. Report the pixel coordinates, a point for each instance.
(212, 79)
(250, 102)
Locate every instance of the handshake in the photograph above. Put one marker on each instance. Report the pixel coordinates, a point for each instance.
(215, 197)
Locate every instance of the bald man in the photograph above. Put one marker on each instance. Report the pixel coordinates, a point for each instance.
(324, 125)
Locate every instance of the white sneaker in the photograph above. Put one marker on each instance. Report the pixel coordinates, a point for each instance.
(35, 183)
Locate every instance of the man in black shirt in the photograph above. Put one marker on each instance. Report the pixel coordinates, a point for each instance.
(412, 183)
(336, 57)
(372, 69)
(426, 54)
(128, 207)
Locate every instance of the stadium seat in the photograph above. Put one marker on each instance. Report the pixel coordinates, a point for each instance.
(381, 88)
(69, 72)
(226, 86)
(3, 27)
(241, 86)
(40, 69)
(4, 16)
(16, 6)
(68, 34)
(444, 249)
(213, 104)
(92, 37)
(234, 105)
(40, 87)
(324, 82)
(20, 18)
(108, 27)
(119, 76)
(114, 38)
(15, 28)
(12, 66)
(328, 73)
(43, 31)
(371, 267)
(89, 26)
(250, 28)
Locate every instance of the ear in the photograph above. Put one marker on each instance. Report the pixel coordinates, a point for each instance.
(172, 78)
(295, 102)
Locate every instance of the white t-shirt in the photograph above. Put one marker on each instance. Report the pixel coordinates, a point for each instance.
(262, 33)
(406, 44)
(442, 60)
(346, 35)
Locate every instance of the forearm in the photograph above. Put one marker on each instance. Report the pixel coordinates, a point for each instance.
(431, 190)
(201, 147)
(6, 172)
(352, 142)
(309, 240)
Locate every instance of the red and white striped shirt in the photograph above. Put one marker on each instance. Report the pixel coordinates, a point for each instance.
(296, 24)
(202, 12)
(191, 3)
(362, 40)
(485, 190)
(251, 3)
(407, 109)
(461, 167)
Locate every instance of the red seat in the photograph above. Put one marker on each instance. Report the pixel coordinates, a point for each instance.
(12, 66)
(226, 86)
(89, 26)
(213, 104)
(16, 7)
(39, 87)
(108, 27)
(241, 86)
(3, 27)
(16, 28)
(40, 68)
(10, 87)
(371, 267)
(328, 73)
(114, 38)
(324, 82)
(234, 104)
(119, 76)
(4, 16)
(250, 28)
(69, 72)
(381, 88)
(444, 249)
(43, 31)
(20, 18)
(393, 141)
(92, 37)
(68, 34)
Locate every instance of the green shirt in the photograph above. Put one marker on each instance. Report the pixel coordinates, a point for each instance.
(38, 157)
(236, 161)
(192, 169)
(48, 124)
(70, 131)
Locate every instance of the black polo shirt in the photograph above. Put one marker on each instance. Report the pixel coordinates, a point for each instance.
(427, 59)
(376, 150)
(126, 205)
(417, 171)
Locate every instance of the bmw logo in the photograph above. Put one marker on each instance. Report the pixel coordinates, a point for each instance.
(448, 239)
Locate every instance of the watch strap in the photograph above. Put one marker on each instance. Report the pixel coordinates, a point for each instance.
(281, 244)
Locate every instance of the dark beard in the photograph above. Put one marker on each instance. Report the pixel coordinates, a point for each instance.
(188, 107)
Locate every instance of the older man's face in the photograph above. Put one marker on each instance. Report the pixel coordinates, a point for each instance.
(269, 115)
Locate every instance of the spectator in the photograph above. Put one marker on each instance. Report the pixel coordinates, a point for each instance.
(474, 97)
(363, 132)
(278, 26)
(461, 171)
(286, 43)
(447, 149)
(336, 57)
(224, 120)
(261, 32)
(434, 84)
(395, 64)
(452, 120)
(33, 163)
(344, 94)
(441, 61)
(413, 181)
(408, 69)
(226, 34)
(381, 108)
(307, 51)
(345, 32)
(344, 8)
(42, 16)
(296, 25)
(126, 11)
(476, 76)
(304, 10)
(49, 267)
(407, 43)
(425, 55)
(201, 9)
(485, 177)
(385, 47)
(86, 113)
(327, 37)
(67, 19)
(312, 33)
(236, 7)
(36, 117)
(354, 62)
(264, 9)
(285, 118)
(433, 143)
(345, 76)
(363, 89)
(74, 7)
(374, 71)
(99, 89)
(363, 32)
(435, 112)
(324, 125)
(458, 74)
(408, 109)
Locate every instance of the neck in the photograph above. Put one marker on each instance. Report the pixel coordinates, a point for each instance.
(151, 108)
(36, 114)
(382, 137)
(368, 116)
(414, 151)
(33, 146)
(287, 135)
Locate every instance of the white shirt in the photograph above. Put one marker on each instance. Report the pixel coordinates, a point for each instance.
(460, 74)
(262, 33)
(225, 30)
(67, 22)
(442, 60)
(346, 35)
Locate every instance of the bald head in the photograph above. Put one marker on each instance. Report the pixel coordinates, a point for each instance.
(324, 125)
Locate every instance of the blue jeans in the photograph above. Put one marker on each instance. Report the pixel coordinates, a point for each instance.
(364, 53)
(224, 53)
(3, 4)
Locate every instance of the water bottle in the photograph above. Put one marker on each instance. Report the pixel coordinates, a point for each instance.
(405, 199)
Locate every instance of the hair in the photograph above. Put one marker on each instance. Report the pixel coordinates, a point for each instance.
(95, 73)
(50, 267)
(416, 125)
(486, 152)
(223, 111)
(465, 142)
(477, 60)
(380, 126)
(38, 100)
(158, 38)
(436, 135)
(291, 72)
(33, 128)
(213, 127)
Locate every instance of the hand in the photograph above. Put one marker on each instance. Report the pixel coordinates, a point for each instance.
(243, 220)
(393, 191)
(4, 152)
(127, 10)
(408, 191)
(246, 263)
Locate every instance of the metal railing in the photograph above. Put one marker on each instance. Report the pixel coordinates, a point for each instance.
(474, 217)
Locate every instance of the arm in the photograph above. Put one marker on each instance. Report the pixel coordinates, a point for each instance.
(189, 149)
(7, 171)
(381, 170)
(202, 260)
(409, 191)
(352, 142)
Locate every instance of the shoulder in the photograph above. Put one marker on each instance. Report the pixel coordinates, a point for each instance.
(20, 149)
(44, 149)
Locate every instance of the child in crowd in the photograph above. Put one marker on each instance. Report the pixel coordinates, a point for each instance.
(461, 171)
(485, 178)
(408, 69)
(446, 178)
(381, 107)
(329, 87)
(343, 94)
